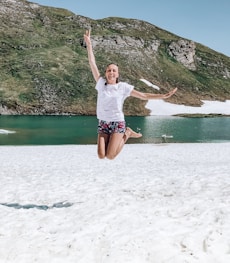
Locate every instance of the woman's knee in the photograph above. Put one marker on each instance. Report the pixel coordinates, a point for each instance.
(111, 155)
(101, 155)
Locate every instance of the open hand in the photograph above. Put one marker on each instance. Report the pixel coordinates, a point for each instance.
(169, 94)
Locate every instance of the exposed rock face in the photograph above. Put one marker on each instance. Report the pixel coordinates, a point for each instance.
(17, 11)
(126, 45)
(183, 51)
(125, 42)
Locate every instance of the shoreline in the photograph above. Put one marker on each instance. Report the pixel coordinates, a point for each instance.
(129, 144)
(201, 115)
(151, 114)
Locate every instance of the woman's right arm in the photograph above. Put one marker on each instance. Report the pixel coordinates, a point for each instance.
(91, 57)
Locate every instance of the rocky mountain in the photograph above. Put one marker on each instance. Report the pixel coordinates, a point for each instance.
(44, 66)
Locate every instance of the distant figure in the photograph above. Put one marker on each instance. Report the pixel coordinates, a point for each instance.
(112, 130)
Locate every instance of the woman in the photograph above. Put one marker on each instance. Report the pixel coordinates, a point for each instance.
(112, 131)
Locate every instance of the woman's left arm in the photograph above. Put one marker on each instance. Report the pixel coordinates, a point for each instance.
(151, 96)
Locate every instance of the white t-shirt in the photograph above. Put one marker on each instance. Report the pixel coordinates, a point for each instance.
(110, 100)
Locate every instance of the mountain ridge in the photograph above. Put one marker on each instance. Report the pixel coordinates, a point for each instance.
(44, 68)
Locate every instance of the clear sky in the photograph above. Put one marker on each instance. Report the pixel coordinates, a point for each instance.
(203, 21)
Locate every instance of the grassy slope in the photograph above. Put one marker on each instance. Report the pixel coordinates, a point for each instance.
(44, 67)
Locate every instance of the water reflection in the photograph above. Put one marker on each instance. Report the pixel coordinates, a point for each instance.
(54, 130)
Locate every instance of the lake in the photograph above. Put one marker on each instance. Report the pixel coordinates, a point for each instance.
(57, 130)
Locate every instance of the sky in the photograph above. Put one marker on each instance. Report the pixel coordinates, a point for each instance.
(204, 21)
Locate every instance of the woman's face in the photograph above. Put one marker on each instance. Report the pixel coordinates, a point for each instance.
(112, 74)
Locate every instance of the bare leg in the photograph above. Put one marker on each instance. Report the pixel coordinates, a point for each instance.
(102, 145)
(117, 141)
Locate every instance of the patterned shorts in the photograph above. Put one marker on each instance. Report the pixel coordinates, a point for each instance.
(105, 127)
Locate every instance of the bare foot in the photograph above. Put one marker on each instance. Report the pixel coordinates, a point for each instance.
(132, 134)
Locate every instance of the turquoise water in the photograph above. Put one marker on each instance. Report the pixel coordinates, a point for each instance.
(55, 130)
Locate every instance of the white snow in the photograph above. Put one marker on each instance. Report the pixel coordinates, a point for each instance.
(161, 107)
(155, 203)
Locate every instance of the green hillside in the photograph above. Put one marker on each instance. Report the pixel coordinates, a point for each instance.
(44, 67)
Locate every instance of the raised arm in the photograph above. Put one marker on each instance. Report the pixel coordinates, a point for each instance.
(152, 96)
(91, 57)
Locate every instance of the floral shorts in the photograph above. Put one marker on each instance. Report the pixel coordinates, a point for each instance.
(105, 127)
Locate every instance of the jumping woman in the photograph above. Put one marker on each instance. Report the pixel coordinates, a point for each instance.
(112, 130)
